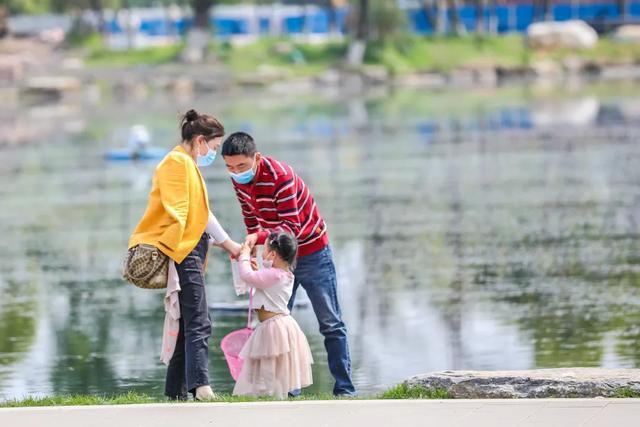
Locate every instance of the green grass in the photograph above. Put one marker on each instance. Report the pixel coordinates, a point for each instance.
(96, 54)
(403, 53)
(81, 400)
(626, 393)
(404, 391)
(284, 54)
(148, 56)
(607, 51)
(398, 392)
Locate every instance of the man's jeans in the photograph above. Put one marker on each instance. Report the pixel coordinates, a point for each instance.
(316, 273)
(189, 366)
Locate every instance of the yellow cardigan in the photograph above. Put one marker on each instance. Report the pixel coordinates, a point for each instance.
(178, 207)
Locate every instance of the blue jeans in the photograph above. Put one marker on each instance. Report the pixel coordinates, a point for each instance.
(316, 273)
(189, 365)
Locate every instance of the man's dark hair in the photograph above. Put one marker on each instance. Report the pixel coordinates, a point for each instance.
(239, 143)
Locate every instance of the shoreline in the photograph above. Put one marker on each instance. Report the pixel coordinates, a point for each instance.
(33, 70)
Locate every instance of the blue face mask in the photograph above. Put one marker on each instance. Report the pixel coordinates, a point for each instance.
(244, 177)
(207, 159)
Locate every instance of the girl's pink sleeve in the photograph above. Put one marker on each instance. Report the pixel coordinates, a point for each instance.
(261, 279)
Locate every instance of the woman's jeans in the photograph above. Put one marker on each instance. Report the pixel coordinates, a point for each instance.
(189, 366)
(316, 273)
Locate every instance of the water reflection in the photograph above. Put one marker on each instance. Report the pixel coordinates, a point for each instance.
(471, 231)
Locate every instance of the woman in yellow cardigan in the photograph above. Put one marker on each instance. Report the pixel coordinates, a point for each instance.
(175, 220)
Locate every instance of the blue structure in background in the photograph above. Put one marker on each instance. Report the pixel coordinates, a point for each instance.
(507, 18)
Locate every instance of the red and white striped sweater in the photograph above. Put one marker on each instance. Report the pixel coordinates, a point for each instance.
(278, 199)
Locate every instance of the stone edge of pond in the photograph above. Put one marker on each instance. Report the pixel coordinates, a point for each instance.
(528, 384)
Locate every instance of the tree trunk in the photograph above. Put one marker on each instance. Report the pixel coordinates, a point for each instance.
(96, 7)
(201, 13)
(4, 16)
(454, 9)
(493, 17)
(195, 50)
(480, 6)
(428, 8)
(622, 8)
(441, 13)
(362, 27)
(548, 9)
(358, 45)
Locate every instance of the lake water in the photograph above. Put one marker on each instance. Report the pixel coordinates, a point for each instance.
(471, 230)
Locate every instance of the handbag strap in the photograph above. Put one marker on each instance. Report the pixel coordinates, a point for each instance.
(251, 290)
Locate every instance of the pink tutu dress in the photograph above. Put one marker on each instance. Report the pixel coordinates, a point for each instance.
(277, 358)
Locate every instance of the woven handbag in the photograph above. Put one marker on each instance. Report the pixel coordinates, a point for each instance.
(146, 267)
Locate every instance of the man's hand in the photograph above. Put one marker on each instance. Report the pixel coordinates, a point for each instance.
(251, 240)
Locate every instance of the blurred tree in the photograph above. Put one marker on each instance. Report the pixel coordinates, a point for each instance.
(371, 19)
(454, 11)
(428, 8)
(4, 15)
(441, 17)
(195, 50)
(201, 10)
(542, 10)
(622, 8)
(360, 21)
(480, 7)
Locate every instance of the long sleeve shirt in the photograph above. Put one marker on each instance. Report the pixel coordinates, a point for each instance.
(273, 286)
(278, 199)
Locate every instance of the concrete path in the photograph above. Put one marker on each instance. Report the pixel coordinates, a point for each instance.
(366, 413)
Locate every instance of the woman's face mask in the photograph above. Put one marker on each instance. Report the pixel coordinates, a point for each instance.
(208, 158)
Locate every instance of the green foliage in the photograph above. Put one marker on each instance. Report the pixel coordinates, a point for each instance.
(386, 19)
(59, 6)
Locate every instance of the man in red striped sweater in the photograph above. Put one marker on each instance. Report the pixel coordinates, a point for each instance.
(273, 197)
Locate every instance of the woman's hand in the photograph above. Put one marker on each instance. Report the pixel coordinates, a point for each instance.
(232, 247)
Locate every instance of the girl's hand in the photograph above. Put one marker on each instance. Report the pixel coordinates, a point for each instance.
(245, 250)
(254, 264)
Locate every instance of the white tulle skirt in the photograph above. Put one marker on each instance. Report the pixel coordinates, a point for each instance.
(277, 360)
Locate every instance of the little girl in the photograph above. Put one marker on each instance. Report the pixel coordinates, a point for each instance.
(277, 358)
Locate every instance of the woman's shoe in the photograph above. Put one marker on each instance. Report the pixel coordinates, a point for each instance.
(205, 393)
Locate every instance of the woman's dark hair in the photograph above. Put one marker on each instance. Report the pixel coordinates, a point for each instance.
(285, 245)
(193, 124)
(239, 143)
